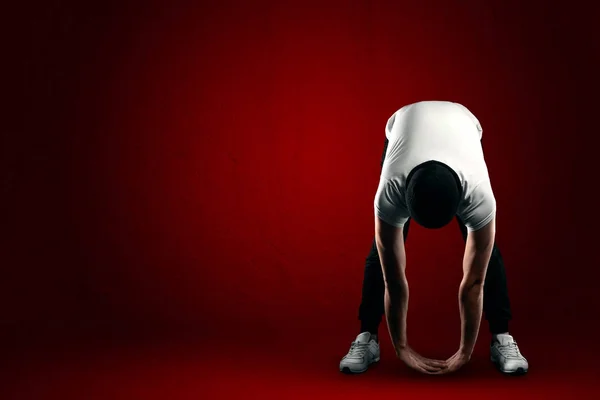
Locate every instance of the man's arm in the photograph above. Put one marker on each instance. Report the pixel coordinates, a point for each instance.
(390, 246)
(478, 250)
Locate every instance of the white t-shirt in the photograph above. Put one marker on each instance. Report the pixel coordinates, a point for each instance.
(435, 130)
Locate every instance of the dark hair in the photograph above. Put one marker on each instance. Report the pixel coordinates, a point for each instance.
(433, 194)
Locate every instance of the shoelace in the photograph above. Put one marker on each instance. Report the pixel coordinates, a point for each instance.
(510, 350)
(357, 350)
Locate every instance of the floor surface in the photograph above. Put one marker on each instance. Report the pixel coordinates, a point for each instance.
(303, 369)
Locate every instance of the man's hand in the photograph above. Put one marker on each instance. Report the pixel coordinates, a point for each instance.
(419, 363)
(455, 362)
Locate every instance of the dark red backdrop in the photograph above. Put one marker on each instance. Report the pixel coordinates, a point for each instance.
(211, 167)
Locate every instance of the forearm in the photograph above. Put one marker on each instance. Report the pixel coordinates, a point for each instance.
(390, 247)
(471, 306)
(477, 256)
(396, 308)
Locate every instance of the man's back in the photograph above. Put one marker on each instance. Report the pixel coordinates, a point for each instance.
(441, 131)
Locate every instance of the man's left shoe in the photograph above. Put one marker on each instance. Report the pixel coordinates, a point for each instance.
(505, 354)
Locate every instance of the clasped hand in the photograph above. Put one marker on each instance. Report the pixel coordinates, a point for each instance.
(433, 367)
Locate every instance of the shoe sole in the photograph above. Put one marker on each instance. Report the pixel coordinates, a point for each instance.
(347, 370)
(517, 372)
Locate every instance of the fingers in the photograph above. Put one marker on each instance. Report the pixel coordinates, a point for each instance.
(435, 363)
(423, 368)
(430, 361)
(441, 372)
(433, 367)
(433, 371)
(429, 368)
(415, 363)
(454, 364)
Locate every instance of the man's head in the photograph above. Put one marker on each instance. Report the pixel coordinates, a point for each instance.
(433, 194)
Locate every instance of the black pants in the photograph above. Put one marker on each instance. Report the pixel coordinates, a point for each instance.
(496, 304)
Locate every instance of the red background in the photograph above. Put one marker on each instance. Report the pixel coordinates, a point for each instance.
(207, 171)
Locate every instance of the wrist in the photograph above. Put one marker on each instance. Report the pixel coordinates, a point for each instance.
(401, 348)
(466, 351)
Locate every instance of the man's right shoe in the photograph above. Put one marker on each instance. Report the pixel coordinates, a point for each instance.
(507, 357)
(363, 352)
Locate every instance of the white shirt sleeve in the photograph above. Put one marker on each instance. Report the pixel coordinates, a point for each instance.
(389, 203)
(473, 118)
(389, 125)
(478, 208)
(390, 122)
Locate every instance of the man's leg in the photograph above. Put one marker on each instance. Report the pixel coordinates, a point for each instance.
(496, 304)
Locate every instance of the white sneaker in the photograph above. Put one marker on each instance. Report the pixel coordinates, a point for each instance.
(506, 356)
(363, 352)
